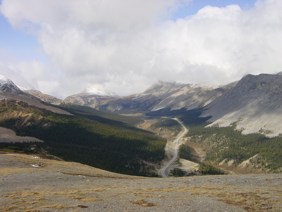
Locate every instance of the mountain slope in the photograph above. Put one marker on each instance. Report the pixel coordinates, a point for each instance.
(88, 99)
(189, 97)
(9, 91)
(44, 97)
(75, 133)
(254, 105)
(93, 141)
(163, 95)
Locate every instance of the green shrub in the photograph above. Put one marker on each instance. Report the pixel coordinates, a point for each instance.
(206, 169)
(228, 143)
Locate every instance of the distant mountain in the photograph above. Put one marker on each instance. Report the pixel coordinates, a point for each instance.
(254, 104)
(44, 97)
(169, 95)
(8, 87)
(176, 96)
(88, 99)
(189, 97)
(75, 133)
(142, 102)
(95, 136)
(9, 91)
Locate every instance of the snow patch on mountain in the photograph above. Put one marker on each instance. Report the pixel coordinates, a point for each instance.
(7, 86)
(3, 78)
(162, 88)
(98, 90)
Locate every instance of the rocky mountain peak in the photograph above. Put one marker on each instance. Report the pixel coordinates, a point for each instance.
(7, 86)
(262, 83)
(161, 88)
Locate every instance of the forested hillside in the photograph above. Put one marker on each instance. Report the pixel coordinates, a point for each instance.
(91, 140)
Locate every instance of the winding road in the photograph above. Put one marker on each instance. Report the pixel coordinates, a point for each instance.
(172, 149)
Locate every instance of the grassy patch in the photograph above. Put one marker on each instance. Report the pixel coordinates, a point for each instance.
(143, 203)
(186, 152)
(228, 143)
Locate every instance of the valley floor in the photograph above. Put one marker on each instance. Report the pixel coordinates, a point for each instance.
(29, 183)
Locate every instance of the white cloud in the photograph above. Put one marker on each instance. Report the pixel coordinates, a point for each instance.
(32, 75)
(124, 46)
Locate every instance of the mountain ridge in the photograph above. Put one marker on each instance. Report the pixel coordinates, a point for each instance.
(253, 103)
(7, 86)
(253, 106)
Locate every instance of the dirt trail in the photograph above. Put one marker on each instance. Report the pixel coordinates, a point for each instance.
(172, 149)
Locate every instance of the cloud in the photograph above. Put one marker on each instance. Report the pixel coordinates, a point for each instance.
(124, 46)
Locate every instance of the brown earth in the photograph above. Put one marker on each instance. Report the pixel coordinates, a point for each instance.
(29, 183)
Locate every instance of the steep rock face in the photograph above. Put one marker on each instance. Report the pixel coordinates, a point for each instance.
(254, 104)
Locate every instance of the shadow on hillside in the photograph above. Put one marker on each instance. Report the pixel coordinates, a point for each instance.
(189, 117)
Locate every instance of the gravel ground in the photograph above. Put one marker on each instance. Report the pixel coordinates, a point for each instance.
(29, 183)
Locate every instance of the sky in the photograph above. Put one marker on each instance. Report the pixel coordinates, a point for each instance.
(124, 46)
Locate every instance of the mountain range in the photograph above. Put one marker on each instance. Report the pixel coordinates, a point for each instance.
(74, 133)
(253, 104)
(8, 90)
(234, 124)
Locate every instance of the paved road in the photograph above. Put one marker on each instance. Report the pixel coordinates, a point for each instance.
(172, 149)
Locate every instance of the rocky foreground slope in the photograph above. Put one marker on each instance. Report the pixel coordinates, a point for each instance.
(29, 183)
